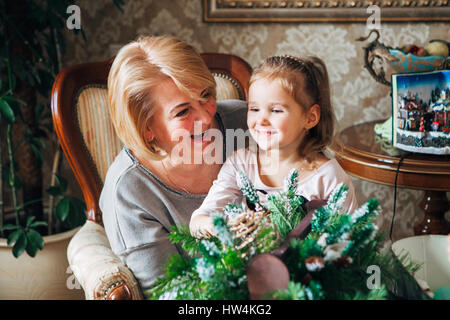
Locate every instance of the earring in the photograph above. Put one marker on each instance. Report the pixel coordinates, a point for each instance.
(151, 144)
(307, 131)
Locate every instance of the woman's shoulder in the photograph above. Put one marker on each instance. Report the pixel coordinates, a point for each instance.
(126, 177)
(121, 167)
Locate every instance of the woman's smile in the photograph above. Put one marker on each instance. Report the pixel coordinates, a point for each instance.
(202, 137)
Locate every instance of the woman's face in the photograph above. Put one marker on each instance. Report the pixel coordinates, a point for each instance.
(178, 117)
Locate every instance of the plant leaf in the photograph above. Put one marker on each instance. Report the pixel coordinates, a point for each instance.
(62, 209)
(29, 221)
(7, 112)
(14, 180)
(14, 99)
(38, 224)
(62, 183)
(77, 215)
(10, 227)
(31, 248)
(35, 237)
(37, 142)
(14, 236)
(54, 191)
(20, 245)
(37, 152)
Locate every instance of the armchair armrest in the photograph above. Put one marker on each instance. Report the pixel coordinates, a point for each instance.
(100, 272)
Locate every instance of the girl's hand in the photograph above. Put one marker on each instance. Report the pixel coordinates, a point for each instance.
(201, 226)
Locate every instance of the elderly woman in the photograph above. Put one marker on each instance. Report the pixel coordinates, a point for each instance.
(160, 90)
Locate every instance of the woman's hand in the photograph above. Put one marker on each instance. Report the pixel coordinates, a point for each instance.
(201, 226)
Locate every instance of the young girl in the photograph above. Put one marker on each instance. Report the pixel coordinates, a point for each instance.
(291, 119)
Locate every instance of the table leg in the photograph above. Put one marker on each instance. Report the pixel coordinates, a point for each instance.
(435, 204)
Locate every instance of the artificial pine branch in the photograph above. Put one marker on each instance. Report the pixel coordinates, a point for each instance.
(338, 228)
(232, 209)
(182, 235)
(294, 291)
(278, 215)
(337, 198)
(248, 190)
(291, 182)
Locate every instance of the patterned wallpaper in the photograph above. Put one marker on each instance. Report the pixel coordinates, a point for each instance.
(356, 96)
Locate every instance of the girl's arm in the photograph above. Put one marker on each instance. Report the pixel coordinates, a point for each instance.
(223, 191)
(201, 226)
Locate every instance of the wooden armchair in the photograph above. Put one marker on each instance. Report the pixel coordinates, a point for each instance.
(87, 137)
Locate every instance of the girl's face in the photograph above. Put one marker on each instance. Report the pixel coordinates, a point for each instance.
(177, 115)
(275, 119)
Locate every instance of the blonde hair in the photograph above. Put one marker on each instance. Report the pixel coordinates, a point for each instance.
(306, 80)
(137, 70)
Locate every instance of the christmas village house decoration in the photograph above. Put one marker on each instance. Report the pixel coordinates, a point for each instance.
(287, 248)
(421, 126)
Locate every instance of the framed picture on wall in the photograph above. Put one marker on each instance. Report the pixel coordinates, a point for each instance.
(324, 10)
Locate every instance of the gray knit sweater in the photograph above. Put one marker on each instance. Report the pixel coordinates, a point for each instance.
(139, 209)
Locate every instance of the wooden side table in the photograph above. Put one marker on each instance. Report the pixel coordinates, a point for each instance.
(361, 153)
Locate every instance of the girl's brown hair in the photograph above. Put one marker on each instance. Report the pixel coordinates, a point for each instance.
(306, 80)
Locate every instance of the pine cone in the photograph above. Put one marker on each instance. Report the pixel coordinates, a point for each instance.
(314, 264)
(246, 226)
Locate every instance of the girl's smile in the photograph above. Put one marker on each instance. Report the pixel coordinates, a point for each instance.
(265, 132)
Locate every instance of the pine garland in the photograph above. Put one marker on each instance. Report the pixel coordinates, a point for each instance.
(330, 263)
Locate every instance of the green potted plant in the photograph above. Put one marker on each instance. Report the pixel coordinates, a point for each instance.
(36, 221)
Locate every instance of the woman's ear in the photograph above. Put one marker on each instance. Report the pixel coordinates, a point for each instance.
(313, 116)
(148, 134)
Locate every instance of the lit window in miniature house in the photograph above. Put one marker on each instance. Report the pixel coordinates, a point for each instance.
(403, 114)
(435, 126)
(441, 109)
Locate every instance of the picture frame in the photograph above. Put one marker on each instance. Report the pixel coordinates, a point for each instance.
(324, 10)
